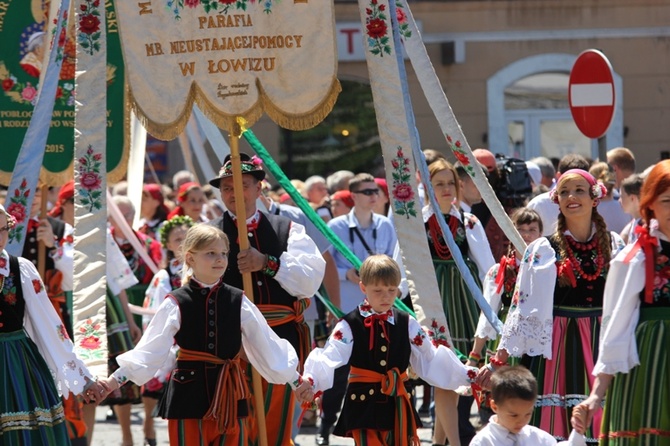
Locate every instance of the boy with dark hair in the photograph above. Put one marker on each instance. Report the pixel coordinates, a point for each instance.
(513, 396)
(379, 342)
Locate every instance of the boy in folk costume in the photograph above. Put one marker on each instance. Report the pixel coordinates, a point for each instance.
(206, 400)
(379, 342)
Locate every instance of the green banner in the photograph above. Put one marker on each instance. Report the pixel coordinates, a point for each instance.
(25, 39)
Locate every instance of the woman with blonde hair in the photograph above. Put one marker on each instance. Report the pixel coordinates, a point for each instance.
(459, 306)
(554, 319)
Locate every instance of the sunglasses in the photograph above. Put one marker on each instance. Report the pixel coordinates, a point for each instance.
(368, 192)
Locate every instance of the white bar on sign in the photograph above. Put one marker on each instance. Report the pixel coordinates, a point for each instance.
(591, 95)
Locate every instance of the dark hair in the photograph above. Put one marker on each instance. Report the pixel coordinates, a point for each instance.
(526, 216)
(572, 161)
(513, 382)
(432, 155)
(359, 179)
(632, 185)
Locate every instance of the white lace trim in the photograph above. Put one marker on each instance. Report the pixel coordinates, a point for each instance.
(527, 335)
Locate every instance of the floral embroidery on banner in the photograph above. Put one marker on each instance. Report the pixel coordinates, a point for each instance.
(90, 181)
(403, 194)
(62, 37)
(461, 155)
(403, 25)
(376, 28)
(17, 209)
(219, 7)
(26, 93)
(89, 27)
(438, 334)
(90, 343)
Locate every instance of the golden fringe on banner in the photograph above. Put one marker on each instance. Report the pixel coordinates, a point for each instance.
(291, 121)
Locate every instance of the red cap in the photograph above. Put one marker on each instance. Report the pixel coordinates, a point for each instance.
(344, 196)
(155, 191)
(66, 193)
(184, 189)
(381, 182)
(283, 198)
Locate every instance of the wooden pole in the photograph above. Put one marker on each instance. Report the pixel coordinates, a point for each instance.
(41, 247)
(240, 212)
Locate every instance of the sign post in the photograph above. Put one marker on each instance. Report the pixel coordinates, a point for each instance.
(591, 96)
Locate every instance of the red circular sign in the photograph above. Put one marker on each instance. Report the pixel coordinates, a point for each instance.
(591, 93)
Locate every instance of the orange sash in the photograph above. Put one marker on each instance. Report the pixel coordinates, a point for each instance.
(230, 388)
(392, 384)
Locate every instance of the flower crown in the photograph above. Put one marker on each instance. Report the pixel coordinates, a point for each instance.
(169, 225)
(597, 191)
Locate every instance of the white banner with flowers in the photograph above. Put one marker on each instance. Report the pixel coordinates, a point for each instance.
(396, 140)
(234, 58)
(456, 140)
(90, 272)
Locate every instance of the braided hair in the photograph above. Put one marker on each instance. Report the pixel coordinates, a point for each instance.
(602, 236)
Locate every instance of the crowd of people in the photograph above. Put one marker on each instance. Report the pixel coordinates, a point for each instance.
(585, 311)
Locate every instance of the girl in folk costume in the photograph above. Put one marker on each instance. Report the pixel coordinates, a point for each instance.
(501, 278)
(554, 320)
(153, 211)
(635, 334)
(210, 322)
(499, 287)
(459, 306)
(379, 342)
(166, 280)
(190, 201)
(35, 350)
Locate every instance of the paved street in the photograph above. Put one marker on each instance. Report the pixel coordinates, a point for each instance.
(107, 433)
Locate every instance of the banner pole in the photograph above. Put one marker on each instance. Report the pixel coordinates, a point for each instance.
(240, 213)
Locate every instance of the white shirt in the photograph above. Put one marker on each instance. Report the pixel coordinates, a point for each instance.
(273, 357)
(548, 211)
(45, 329)
(493, 434)
(438, 366)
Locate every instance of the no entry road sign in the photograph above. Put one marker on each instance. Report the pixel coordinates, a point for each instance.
(591, 93)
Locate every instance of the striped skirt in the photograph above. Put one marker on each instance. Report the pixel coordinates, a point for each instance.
(638, 402)
(566, 380)
(459, 306)
(31, 412)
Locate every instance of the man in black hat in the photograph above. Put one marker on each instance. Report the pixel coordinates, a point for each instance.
(286, 268)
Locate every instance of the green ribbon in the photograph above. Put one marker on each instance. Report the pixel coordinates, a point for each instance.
(300, 201)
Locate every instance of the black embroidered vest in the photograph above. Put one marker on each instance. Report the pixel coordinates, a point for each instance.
(12, 303)
(270, 237)
(210, 322)
(365, 406)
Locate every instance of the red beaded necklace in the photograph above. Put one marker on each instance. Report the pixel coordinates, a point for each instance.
(441, 248)
(584, 247)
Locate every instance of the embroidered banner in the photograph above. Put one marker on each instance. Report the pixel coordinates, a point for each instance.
(26, 172)
(25, 38)
(401, 150)
(394, 120)
(90, 272)
(439, 103)
(234, 58)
